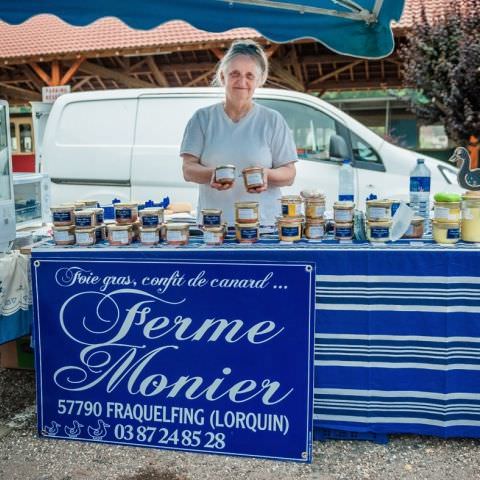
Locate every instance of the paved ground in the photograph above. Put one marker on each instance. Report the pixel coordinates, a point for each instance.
(24, 456)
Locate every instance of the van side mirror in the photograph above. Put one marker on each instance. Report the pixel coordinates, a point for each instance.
(338, 149)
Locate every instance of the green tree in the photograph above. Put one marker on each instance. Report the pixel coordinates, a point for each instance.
(442, 61)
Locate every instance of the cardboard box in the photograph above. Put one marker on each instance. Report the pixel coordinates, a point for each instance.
(17, 354)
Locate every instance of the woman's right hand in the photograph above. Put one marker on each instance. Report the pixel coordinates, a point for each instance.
(219, 186)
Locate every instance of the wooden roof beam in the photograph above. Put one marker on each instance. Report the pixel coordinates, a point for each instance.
(158, 75)
(98, 70)
(280, 72)
(200, 78)
(71, 71)
(335, 73)
(27, 94)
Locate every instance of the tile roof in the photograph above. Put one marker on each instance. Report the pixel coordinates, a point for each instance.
(47, 35)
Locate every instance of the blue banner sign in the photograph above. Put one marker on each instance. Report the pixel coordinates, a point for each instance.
(212, 357)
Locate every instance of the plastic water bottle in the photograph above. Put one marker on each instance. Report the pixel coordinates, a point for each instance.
(420, 192)
(346, 188)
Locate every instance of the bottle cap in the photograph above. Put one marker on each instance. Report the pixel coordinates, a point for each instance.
(346, 160)
(420, 160)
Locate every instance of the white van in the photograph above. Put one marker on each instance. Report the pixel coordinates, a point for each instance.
(125, 144)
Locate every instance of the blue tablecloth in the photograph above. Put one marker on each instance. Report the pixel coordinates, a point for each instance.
(15, 297)
(397, 344)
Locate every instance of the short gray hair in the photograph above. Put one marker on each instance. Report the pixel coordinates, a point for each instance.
(249, 48)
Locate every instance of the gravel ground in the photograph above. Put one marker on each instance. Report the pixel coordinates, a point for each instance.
(24, 456)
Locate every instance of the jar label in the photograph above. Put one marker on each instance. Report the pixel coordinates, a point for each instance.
(149, 220)
(291, 209)
(62, 216)
(62, 236)
(224, 173)
(246, 214)
(149, 237)
(83, 221)
(123, 213)
(453, 233)
(99, 217)
(290, 231)
(248, 233)
(343, 215)
(212, 220)
(467, 214)
(379, 232)
(378, 212)
(254, 178)
(316, 231)
(119, 236)
(84, 238)
(442, 213)
(211, 237)
(175, 236)
(343, 232)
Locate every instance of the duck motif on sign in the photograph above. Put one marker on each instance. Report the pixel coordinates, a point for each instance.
(99, 432)
(52, 429)
(468, 178)
(74, 432)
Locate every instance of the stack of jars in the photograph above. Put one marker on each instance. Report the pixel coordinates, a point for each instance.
(447, 217)
(126, 226)
(314, 215)
(343, 214)
(379, 220)
(290, 224)
(80, 223)
(247, 226)
(212, 226)
(150, 222)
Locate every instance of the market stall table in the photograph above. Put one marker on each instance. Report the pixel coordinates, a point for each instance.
(397, 336)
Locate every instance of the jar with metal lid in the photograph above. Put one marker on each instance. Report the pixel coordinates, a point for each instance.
(149, 235)
(247, 232)
(314, 228)
(64, 235)
(90, 203)
(290, 229)
(119, 235)
(446, 232)
(343, 231)
(125, 213)
(253, 177)
(211, 217)
(379, 210)
(471, 217)
(62, 215)
(85, 237)
(151, 217)
(225, 174)
(447, 211)
(214, 235)
(378, 231)
(85, 219)
(343, 212)
(315, 207)
(80, 205)
(246, 212)
(291, 205)
(415, 229)
(177, 233)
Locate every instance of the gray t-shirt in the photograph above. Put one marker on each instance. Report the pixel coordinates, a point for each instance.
(261, 139)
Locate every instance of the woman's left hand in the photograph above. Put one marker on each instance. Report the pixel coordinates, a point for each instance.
(264, 187)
